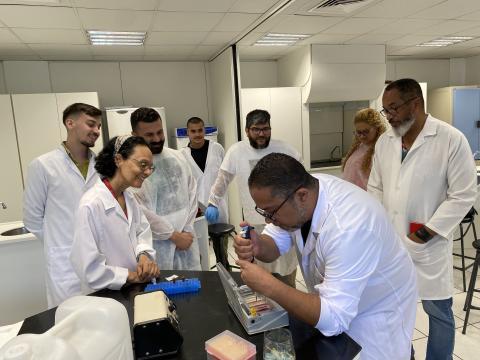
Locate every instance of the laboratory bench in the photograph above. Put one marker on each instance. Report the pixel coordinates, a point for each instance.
(205, 314)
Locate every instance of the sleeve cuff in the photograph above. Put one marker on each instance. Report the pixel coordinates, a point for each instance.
(147, 249)
(282, 238)
(119, 279)
(326, 323)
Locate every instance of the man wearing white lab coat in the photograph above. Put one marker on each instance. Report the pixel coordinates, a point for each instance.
(424, 174)
(205, 158)
(168, 197)
(55, 183)
(239, 162)
(360, 278)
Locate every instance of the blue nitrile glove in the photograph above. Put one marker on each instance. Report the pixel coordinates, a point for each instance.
(211, 214)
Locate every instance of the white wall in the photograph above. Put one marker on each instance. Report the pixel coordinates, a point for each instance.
(294, 69)
(435, 72)
(259, 74)
(3, 88)
(181, 87)
(472, 70)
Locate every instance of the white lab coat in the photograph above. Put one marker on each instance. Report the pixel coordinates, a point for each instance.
(52, 192)
(239, 161)
(434, 185)
(105, 242)
(355, 261)
(171, 193)
(206, 179)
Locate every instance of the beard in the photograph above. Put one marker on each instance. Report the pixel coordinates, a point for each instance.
(255, 145)
(156, 147)
(404, 127)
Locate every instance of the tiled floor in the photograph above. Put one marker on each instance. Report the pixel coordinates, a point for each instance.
(467, 347)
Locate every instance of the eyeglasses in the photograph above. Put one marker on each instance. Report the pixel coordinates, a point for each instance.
(257, 131)
(144, 165)
(361, 132)
(394, 109)
(271, 216)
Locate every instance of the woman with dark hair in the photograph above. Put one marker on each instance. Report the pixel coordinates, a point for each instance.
(357, 163)
(112, 242)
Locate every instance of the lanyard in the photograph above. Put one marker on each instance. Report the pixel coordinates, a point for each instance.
(109, 187)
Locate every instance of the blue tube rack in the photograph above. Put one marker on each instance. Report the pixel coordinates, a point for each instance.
(176, 287)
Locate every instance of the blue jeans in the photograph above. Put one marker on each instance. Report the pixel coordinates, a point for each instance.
(441, 334)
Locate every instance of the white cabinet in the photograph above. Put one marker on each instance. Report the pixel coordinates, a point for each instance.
(11, 178)
(285, 107)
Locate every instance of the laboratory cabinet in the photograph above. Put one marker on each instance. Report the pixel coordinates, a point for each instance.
(460, 107)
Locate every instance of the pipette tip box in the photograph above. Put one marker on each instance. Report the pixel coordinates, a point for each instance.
(176, 287)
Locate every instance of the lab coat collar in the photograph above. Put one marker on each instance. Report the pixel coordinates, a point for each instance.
(429, 129)
(109, 202)
(91, 163)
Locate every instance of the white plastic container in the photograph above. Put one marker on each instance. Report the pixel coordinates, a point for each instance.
(86, 328)
(229, 346)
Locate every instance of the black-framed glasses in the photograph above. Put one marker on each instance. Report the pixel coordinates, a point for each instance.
(257, 131)
(144, 165)
(362, 132)
(394, 109)
(271, 216)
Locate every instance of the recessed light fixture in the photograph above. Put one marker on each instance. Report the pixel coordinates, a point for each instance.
(116, 37)
(274, 39)
(445, 41)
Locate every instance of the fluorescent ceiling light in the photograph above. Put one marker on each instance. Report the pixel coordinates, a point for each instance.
(274, 39)
(445, 41)
(116, 37)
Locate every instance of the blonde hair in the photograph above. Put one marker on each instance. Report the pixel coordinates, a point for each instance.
(372, 118)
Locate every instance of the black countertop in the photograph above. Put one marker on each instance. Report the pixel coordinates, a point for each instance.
(205, 314)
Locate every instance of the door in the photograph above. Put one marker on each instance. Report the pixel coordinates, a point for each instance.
(466, 114)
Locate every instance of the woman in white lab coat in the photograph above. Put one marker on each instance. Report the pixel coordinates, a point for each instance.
(357, 163)
(112, 242)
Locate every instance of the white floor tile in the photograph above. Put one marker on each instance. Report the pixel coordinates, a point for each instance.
(420, 347)
(418, 335)
(467, 346)
(459, 301)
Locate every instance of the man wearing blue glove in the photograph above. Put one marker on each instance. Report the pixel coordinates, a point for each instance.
(239, 162)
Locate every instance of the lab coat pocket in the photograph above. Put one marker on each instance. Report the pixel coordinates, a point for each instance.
(418, 252)
(59, 266)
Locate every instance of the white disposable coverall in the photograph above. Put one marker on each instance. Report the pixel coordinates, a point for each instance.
(52, 192)
(356, 262)
(435, 185)
(205, 179)
(105, 242)
(170, 198)
(239, 161)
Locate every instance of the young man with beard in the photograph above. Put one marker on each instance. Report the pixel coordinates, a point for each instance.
(168, 197)
(424, 174)
(56, 181)
(359, 277)
(239, 161)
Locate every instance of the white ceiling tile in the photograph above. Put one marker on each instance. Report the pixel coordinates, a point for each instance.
(52, 36)
(250, 38)
(15, 49)
(405, 26)
(449, 9)
(304, 24)
(396, 8)
(188, 21)
(252, 6)
(448, 27)
(39, 17)
(66, 57)
(166, 57)
(372, 39)
(118, 57)
(327, 39)
(117, 50)
(262, 52)
(471, 16)
(206, 51)
(116, 4)
(356, 26)
(60, 49)
(183, 50)
(470, 32)
(219, 37)
(6, 36)
(236, 22)
(410, 40)
(175, 38)
(195, 5)
(117, 20)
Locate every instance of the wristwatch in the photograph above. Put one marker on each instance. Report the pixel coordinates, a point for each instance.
(423, 234)
(144, 253)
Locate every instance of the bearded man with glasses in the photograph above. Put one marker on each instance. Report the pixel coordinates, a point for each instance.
(239, 162)
(424, 174)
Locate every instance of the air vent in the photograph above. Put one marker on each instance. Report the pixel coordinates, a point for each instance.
(339, 7)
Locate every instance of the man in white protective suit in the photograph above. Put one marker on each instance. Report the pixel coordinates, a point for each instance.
(168, 197)
(55, 183)
(239, 161)
(424, 175)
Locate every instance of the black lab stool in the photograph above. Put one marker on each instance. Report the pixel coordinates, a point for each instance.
(217, 232)
(471, 286)
(467, 221)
